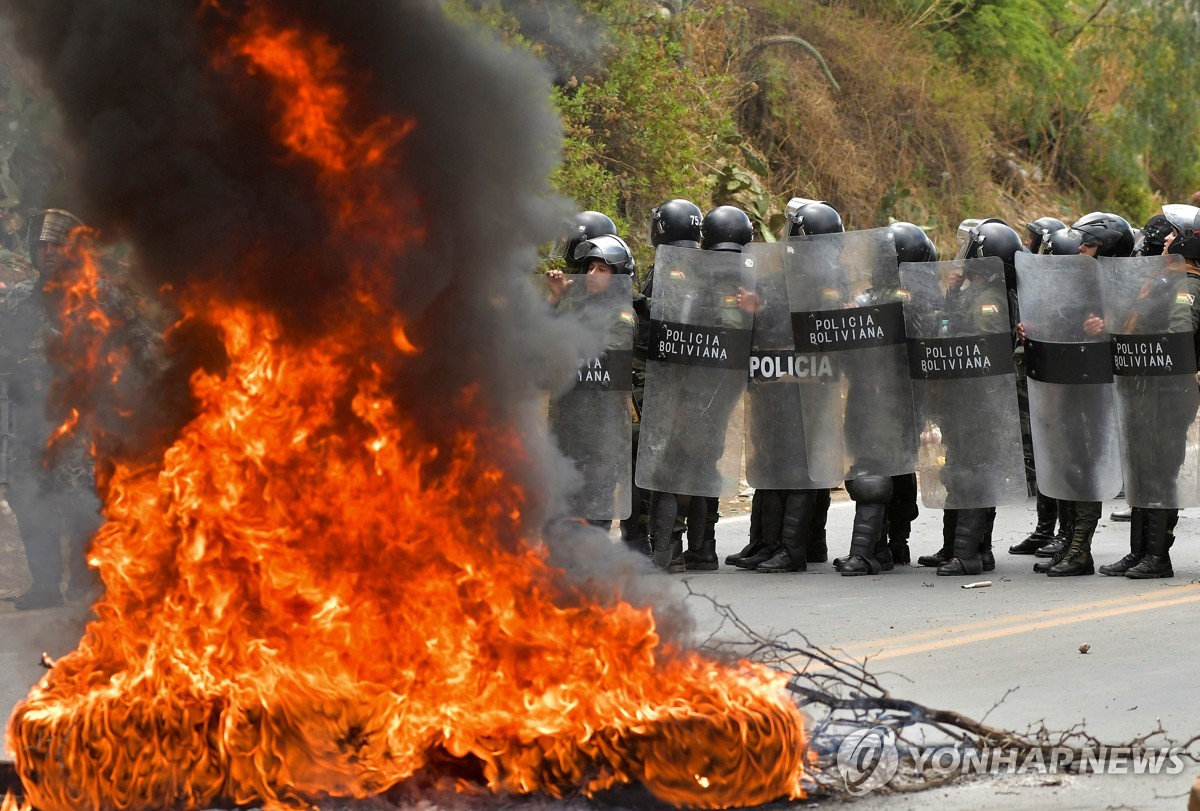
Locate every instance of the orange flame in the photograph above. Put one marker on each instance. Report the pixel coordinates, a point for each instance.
(304, 599)
(296, 607)
(11, 803)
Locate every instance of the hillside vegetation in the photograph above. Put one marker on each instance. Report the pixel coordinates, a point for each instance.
(922, 110)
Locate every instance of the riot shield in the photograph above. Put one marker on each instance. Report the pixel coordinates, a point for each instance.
(775, 454)
(592, 420)
(691, 432)
(1147, 309)
(1072, 412)
(960, 358)
(847, 318)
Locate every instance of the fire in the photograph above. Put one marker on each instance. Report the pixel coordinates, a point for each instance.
(296, 607)
(307, 599)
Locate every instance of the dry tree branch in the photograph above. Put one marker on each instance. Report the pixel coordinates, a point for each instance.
(784, 39)
(841, 695)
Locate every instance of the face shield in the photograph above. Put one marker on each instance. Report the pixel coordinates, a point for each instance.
(970, 240)
(562, 248)
(792, 212)
(1084, 238)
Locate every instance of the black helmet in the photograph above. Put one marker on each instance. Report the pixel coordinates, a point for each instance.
(1041, 228)
(1109, 233)
(52, 225)
(608, 248)
(992, 237)
(912, 243)
(584, 225)
(1185, 221)
(1152, 238)
(811, 217)
(676, 222)
(1061, 243)
(725, 228)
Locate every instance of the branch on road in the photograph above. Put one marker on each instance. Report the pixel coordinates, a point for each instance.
(841, 695)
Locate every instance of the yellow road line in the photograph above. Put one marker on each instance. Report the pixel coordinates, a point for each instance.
(1041, 613)
(951, 639)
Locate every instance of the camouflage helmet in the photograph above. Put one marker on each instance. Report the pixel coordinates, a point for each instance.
(52, 225)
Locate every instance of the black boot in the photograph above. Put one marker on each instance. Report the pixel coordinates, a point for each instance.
(1043, 533)
(818, 545)
(797, 517)
(949, 517)
(1157, 561)
(1077, 560)
(871, 494)
(883, 551)
(1066, 518)
(666, 530)
(868, 521)
(757, 542)
(1137, 546)
(902, 511)
(969, 529)
(772, 530)
(701, 555)
(985, 546)
(635, 530)
(1066, 524)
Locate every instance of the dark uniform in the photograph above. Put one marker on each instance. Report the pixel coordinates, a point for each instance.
(1151, 530)
(581, 419)
(967, 533)
(635, 530)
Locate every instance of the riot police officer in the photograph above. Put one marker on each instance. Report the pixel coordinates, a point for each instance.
(674, 222)
(1039, 231)
(969, 532)
(724, 229)
(1099, 234)
(592, 420)
(912, 245)
(1151, 534)
(792, 522)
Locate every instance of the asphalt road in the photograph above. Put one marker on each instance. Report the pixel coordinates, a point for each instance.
(1010, 651)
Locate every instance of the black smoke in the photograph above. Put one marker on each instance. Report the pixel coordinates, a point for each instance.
(177, 156)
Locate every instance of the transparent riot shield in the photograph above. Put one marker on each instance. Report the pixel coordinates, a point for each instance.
(775, 453)
(1147, 309)
(847, 317)
(691, 430)
(960, 358)
(1068, 359)
(592, 420)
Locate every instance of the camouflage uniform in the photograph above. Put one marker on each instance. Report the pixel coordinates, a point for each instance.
(50, 497)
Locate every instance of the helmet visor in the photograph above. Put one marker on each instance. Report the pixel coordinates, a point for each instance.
(972, 243)
(966, 227)
(1085, 238)
(608, 251)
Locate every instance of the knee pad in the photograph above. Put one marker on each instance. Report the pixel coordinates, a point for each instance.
(870, 489)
